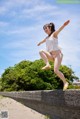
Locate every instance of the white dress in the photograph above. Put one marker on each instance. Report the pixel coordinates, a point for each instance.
(52, 44)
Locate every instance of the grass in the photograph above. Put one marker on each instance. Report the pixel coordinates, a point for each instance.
(1, 97)
(47, 117)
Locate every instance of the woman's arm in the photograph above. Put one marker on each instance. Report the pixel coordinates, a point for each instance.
(41, 42)
(61, 28)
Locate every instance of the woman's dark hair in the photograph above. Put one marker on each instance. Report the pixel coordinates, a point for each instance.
(51, 26)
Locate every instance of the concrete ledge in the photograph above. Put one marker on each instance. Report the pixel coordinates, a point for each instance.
(57, 104)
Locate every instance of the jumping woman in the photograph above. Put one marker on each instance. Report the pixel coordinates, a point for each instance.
(53, 52)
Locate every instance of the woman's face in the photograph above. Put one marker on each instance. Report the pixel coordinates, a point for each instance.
(47, 30)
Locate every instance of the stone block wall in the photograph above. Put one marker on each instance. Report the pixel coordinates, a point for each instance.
(57, 104)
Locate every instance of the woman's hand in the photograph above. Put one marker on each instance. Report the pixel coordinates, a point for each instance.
(66, 23)
(39, 44)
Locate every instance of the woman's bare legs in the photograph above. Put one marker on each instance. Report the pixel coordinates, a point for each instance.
(57, 64)
(46, 56)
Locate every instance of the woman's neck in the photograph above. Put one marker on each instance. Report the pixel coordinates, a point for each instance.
(50, 34)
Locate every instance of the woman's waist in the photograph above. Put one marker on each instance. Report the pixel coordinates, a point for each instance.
(53, 52)
(53, 48)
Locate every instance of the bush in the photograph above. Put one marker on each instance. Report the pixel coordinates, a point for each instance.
(28, 75)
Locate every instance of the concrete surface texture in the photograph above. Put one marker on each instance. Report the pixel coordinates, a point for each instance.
(17, 110)
(57, 104)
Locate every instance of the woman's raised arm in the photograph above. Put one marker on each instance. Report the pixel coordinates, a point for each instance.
(61, 28)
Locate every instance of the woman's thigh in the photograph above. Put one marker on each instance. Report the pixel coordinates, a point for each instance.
(49, 56)
(57, 61)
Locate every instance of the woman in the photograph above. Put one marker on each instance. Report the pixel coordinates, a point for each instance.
(53, 52)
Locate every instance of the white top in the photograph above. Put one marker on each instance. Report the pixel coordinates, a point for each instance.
(52, 43)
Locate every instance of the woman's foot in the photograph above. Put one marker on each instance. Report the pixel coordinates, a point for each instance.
(65, 86)
(46, 67)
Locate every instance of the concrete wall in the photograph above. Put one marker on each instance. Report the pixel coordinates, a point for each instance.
(57, 104)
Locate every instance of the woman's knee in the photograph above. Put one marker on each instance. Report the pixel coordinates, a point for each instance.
(41, 51)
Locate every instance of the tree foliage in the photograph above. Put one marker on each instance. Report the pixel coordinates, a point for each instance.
(28, 75)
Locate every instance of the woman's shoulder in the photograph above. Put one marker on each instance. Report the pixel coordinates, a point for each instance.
(54, 35)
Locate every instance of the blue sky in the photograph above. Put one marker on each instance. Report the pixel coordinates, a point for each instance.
(21, 28)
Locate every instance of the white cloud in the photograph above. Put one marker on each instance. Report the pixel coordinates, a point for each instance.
(27, 31)
(2, 10)
(39, 9)
(16, 44)
(26, 9)
(3, 24)
(10, 5)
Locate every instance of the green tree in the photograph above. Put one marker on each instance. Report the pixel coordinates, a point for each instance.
(28, 75)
